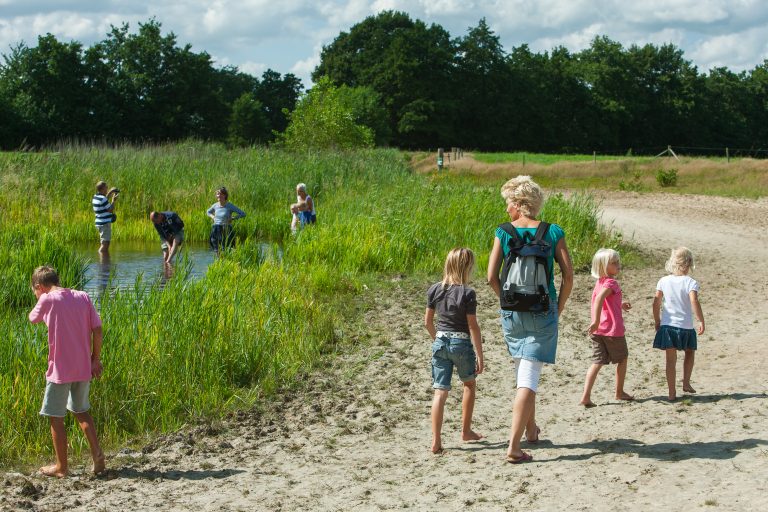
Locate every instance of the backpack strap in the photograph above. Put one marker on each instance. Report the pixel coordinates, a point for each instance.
(509, 229)
(541, 231)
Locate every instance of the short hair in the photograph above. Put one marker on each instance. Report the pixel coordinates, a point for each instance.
(45, 276)
(100, 185)
(458, 266)
(302, 187)
(155, 215)
(224, 191)
(680, 261)
(525, 194)
(601, 260)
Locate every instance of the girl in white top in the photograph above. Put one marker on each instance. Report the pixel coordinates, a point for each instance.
(675, 303)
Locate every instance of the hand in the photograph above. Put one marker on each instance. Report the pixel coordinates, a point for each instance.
(626, 306)
(657, 325)
(479, 367)
(700, 330)
(96, 368)
(593, 327)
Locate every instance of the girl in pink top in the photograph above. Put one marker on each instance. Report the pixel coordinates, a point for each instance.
(607, 324)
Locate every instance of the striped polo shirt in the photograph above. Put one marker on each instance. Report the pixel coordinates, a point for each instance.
(101, 208)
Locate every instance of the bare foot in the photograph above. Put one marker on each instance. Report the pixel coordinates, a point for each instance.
(624, 396)
(53, 470)
(471, 436)
(688, 389)
(533, 439)
(672, 398)
(437, 446)
(588, 403)
(99, 464)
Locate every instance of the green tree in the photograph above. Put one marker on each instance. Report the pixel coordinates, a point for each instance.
(409, 64)
(248, 124)
(367, 108)
(322, 121)
(277, 94)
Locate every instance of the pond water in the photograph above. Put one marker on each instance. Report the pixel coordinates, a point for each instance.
(129, 259)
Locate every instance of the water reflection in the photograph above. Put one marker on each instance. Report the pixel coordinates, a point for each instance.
(127, 261)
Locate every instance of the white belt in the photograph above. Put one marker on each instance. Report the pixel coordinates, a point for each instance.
(451, 334)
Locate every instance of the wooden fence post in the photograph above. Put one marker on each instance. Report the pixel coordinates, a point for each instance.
(440, 159)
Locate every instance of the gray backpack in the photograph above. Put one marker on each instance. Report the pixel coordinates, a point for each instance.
(524, 273)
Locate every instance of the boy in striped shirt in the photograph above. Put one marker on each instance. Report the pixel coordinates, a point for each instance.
(104, 213)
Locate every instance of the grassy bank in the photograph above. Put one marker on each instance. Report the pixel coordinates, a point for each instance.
(250, 325)
(741, 177)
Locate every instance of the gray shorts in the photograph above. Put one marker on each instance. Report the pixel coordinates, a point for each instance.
(105, 232)
(179, 237)
(60, 397)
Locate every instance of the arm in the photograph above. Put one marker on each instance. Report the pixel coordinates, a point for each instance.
(310, 204)
(494, 262)
(97, 338)
(240, 213)
(212, 212)
(429, 322)
(477, 342)
(598, 309)
(37, 314)
(172, 248)
(657, 309)
(694, 296)
(563, 258)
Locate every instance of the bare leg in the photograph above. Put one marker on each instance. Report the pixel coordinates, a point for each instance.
(438, 406)
(531, 429)
(89, 429)
(467, 408)
(690, 355)
(589, 381)
(671, 362)
(525, 400)
(59, 435)
(621, 373)
(104, 249)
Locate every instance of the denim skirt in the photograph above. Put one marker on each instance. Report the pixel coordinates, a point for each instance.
(531, 336)
(674, 337)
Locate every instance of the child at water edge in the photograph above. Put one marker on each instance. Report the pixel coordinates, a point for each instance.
(74, 357)
(675, 303)
(606, 329)
(456, 341)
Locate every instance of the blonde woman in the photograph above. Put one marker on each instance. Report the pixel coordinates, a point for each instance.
(531, 337)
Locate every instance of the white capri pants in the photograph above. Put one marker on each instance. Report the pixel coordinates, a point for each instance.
(527, 373)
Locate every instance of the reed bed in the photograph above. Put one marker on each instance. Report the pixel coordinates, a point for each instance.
(254, 322)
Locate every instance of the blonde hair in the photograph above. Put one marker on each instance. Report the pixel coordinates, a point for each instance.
(601, 260)
(302, 187)
(525, 194)
(101, 185)
(680, 262)
(45, 276)
(458, 266)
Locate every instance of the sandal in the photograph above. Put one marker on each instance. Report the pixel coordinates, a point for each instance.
(525, 457)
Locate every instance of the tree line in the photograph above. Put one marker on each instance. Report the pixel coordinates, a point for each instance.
(398, 81)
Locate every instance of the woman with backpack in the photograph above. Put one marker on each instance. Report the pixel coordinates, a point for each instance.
(521, 273)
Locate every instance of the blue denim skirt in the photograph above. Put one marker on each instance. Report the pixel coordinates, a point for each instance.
(675, 337)
(531, 336)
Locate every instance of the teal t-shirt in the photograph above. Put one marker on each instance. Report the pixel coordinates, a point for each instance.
(554, 234)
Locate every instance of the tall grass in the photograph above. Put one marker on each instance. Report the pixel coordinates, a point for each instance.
(251, 324)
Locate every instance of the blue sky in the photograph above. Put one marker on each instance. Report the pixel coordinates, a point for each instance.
(287, 35)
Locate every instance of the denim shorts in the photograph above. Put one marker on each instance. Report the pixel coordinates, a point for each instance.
(448, 352)
(60, 397)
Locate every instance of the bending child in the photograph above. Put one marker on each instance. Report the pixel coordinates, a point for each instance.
(74, 357)
(609, 344)
(675, 303)
(456, 341)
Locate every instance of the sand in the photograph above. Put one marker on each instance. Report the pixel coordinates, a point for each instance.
(356, 436)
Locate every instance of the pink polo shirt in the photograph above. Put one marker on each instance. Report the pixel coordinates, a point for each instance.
(611, 319)
(70, 317)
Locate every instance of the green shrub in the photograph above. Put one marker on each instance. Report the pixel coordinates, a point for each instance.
(666, 178)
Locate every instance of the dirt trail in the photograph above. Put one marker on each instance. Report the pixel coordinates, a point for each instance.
(357, 438)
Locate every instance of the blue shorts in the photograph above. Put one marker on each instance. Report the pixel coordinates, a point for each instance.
(448, 352)
(60, 397)
(307, 218)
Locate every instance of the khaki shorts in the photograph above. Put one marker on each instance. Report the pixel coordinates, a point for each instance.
(105, 232)
(60, 397)
(179, 237)
(609, 349)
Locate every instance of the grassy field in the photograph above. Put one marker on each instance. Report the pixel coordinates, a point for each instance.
(741, 177)
(252, 325)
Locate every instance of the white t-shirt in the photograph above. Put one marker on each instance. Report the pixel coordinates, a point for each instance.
(676, 308)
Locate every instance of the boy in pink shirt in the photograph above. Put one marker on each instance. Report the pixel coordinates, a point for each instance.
(74, 357)
(607, 324)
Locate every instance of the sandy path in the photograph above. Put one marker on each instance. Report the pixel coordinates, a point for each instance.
(356, 438)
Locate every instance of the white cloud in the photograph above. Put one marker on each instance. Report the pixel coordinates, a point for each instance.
(735, 51)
